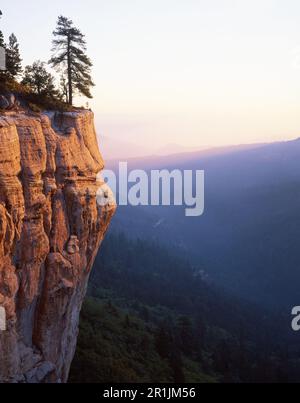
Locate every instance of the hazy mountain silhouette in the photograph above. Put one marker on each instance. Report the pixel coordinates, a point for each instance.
(248, 238)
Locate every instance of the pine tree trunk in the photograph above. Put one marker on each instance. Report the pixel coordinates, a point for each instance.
(70, 73)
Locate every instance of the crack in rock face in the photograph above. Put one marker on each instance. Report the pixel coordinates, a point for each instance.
(51, 227)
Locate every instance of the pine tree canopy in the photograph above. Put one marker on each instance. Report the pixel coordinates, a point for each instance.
(69, 57)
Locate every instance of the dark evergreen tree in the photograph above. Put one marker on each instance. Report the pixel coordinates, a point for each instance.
(127, 322)
(39, 80)
(187, 342)
(2, 43)
(13, 58)
(69, 56)
(176, 365)
(163, 342)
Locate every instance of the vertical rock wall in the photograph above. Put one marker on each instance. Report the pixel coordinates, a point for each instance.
(50, 230)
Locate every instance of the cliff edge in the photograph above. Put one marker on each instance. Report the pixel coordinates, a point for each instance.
(50, 230)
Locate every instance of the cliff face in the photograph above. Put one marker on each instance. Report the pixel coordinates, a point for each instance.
(50, 230)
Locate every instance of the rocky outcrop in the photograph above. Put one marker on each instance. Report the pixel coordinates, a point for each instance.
(8, 101)
(50, 230)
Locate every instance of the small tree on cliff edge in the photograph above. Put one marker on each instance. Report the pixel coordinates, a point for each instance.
(2, 44)
(69, 56)
(37, 78)
(13, 58)
(1, 34)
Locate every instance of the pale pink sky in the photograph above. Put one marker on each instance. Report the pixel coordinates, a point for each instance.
(192, 72)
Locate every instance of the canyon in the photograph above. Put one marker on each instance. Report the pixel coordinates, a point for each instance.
(51, 228)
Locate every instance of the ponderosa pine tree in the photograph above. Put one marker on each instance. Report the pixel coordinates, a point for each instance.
(13, 58)
(69, 57)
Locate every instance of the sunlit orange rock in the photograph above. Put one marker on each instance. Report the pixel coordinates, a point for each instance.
(50, 230)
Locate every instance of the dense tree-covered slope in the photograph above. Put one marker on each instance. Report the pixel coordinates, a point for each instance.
(151, 316)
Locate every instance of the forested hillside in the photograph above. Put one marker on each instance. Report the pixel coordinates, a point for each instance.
(150, 316)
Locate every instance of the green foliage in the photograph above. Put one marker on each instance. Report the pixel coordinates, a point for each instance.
(10, 85)
(13, 58)
(34, 107)
(37, 89)
(115, 347)
(2, 43)
(69, 57)
(37, 78)
(43, 102)
(41, 92)
(150, 317)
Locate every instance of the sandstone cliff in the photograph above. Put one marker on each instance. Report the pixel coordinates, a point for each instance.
(50, 230)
